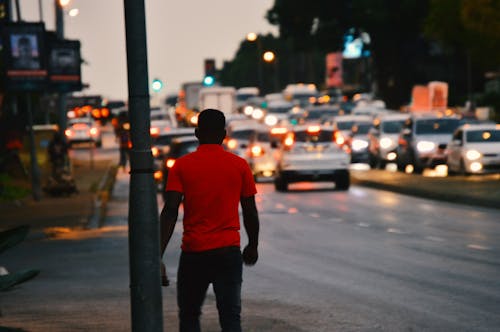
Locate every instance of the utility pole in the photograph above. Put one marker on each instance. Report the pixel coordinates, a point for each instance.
(144, 230)
(61, 100)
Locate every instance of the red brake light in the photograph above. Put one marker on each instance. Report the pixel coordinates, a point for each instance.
(154, 131)
(313, 129)
(289, 140)
(170, 163)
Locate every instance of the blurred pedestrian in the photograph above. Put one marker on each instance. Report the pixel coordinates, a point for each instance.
(211, 183)
(123, 137)
(58, 153)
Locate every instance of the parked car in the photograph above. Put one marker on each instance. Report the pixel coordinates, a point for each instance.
(423, 139)
(309, 153)
(474, 149)
(383, 138)
(83, 130)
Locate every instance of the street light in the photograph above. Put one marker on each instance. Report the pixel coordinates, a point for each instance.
(270, 57)
(253, 37)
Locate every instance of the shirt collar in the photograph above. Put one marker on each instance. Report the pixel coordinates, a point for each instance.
(210, 147)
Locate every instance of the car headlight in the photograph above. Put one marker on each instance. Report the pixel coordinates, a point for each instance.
(359, 144)
(248, 110)
(386, 143)
(472, 155)
(257, 114)
(270, 120)
(426, 146)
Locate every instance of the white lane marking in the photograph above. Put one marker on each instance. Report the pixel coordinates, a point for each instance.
(395, 231)
(477, 247)
(363, 224)
(435, 238)
(314, 215)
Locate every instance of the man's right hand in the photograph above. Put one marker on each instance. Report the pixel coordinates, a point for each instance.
(250, 255)
(164, 279)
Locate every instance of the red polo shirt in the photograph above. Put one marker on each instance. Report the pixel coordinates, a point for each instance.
(212, 181)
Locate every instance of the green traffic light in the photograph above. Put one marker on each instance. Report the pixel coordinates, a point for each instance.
(208, 81)
(157, 85)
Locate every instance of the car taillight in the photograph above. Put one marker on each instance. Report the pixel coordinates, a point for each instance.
(155, 151)
(154, 131)
(339, 138)
(257, 151)
(158, 175)
(313, 129)
(170, 163)
(232, 144)
(289, 140)
(278, 131)
(68, 133)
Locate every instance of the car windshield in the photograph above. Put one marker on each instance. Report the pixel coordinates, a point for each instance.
(483, 136)
(322, 136)
(181, 149)
(242, 134)
(392, 127)
(281, 110)
(436, 126)
(167, 139)
(362, 128)
(345, 125)
(244, 97)
(318, 114)
(263, 137)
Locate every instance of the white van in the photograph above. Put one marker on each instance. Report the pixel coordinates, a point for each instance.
(220, 98)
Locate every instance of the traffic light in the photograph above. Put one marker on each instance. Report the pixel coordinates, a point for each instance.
(210, 67)
(157, 85)
(210, 72)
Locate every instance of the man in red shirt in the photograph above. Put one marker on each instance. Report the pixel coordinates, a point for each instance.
(211, 183)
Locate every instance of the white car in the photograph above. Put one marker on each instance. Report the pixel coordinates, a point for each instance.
(309, 153)
(261, 153)
(83, 130)
(383, 138)
(474, 149)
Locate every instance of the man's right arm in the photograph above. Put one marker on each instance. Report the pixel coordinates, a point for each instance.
(168, 217)
(251, 223)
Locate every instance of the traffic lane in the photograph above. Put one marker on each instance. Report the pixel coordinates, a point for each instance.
(339, 256)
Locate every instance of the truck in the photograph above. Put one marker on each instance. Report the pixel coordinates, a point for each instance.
(222, 98)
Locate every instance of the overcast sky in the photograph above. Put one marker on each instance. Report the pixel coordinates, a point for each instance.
(181, 34)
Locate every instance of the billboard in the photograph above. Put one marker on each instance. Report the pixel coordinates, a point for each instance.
(64, 65)
(334, 70)
(24, 57)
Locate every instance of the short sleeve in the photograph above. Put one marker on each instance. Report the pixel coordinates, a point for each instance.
(174, 182)
(248, 188)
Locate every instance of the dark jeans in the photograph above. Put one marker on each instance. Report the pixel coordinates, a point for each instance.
(220, 267)
(123, 157)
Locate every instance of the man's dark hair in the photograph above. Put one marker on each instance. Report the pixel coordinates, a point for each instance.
(211, 126)
(211, 120)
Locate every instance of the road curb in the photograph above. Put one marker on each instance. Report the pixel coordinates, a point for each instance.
(101, 198)
(446, 196)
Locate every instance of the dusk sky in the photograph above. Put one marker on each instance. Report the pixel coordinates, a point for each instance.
(181, 34)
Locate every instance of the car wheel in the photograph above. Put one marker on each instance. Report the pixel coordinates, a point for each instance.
(343, 181)
(280, 184)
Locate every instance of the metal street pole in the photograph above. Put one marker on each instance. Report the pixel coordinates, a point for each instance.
(61, 100)
(144, 230)
(35, 169)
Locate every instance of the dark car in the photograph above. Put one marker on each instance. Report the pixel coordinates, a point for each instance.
(179, 147)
